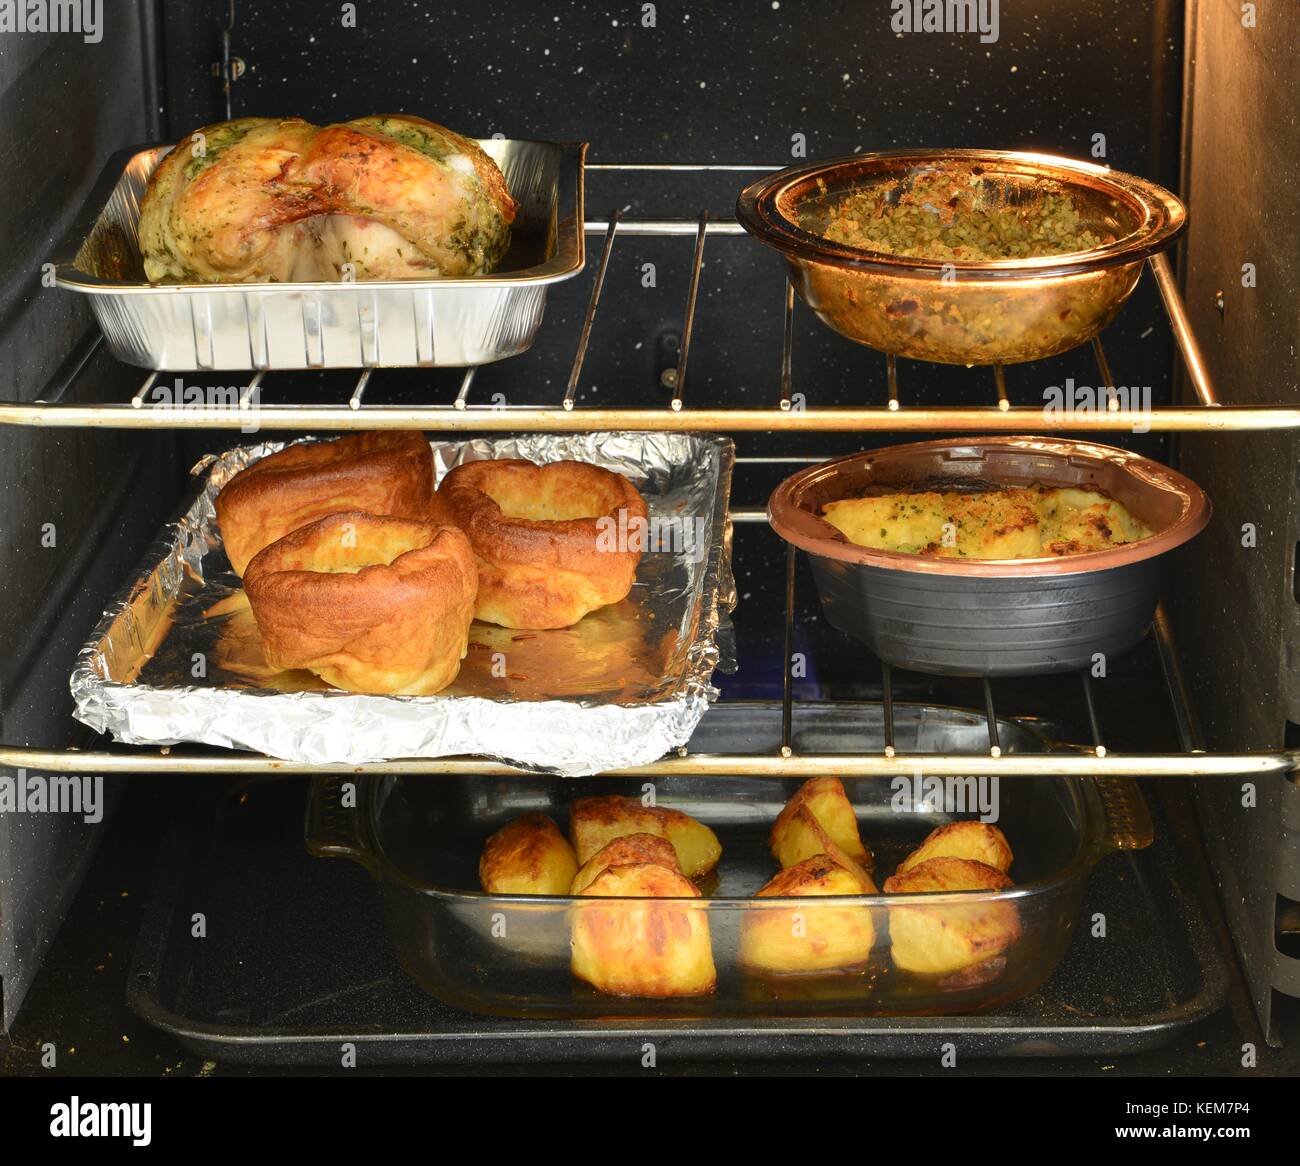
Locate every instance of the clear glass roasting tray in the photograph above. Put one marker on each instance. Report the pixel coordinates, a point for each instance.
(390, 323)
(177, 657)
(509, 955)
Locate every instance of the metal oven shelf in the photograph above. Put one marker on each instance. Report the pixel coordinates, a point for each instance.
(1094, 761)
(462, 415)
(1001, 415)
(850, 765)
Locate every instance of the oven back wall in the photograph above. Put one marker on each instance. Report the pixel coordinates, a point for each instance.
(721, 83)
(756, 83)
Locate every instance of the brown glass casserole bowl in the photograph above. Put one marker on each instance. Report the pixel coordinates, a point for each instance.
(1002, 311)
(991, 617)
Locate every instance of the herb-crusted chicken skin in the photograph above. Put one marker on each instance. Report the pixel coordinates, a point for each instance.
(276, 199)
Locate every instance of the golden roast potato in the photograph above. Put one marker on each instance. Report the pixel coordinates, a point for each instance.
(804, 939)
(527, 856)
(974, 840)
(940, 939)
(596, 822)
(643, 948)
(824, 798)
(802, 837)
(625, 851)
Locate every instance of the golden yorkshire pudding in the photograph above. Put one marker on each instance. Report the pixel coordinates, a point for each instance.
(381, 473)
(367, 603)
(553, 542)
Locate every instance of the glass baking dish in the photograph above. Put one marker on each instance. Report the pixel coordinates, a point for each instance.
(509, 955)
(1002, 311)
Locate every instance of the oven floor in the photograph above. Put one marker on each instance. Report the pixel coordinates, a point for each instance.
(295, 964)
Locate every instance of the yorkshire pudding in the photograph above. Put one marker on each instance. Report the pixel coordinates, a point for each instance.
(368, 603)
(553, 542)
(381, 473)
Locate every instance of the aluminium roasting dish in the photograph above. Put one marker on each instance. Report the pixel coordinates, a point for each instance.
(431, 323)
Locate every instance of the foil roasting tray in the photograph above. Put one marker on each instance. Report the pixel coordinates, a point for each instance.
(390, 323)
(177, 656)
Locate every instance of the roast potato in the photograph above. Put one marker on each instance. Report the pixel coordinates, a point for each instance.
(527, 856)
(974, 840)
(824, 798)
(940, 939)
(805, 939)
(625, 851)
(596, 822)
(643, 948)
(802, 837)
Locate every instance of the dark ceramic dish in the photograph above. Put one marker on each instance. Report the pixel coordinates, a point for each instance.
(991, 617)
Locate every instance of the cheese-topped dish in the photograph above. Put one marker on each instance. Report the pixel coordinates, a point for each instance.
(1027, 522)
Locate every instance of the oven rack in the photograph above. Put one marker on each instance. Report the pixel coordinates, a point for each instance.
(461, 414)
(1092, 761)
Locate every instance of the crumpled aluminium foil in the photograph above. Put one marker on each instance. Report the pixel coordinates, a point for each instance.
(176, 657)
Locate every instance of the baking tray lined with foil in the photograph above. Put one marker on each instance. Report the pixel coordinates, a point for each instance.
(177, 656)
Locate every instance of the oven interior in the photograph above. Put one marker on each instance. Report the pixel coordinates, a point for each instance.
(678, 310)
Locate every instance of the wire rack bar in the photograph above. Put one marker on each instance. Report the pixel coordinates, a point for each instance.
(1000, 383)
(566, 417)
(787, 671)
(663, 228)
(787, 350)
(1188, 346)
(682, 167)
(462, 395)
(248, 394)
(137, 401)
(1107, 379)
(692, 297)
(1094, 722)
(584, 338)
(555, 419)
(359, 390)
(887, 691)
(1189, 729)
(991, 719)
(798, 765)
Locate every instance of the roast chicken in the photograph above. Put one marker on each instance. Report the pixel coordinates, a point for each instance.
(268, 200)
